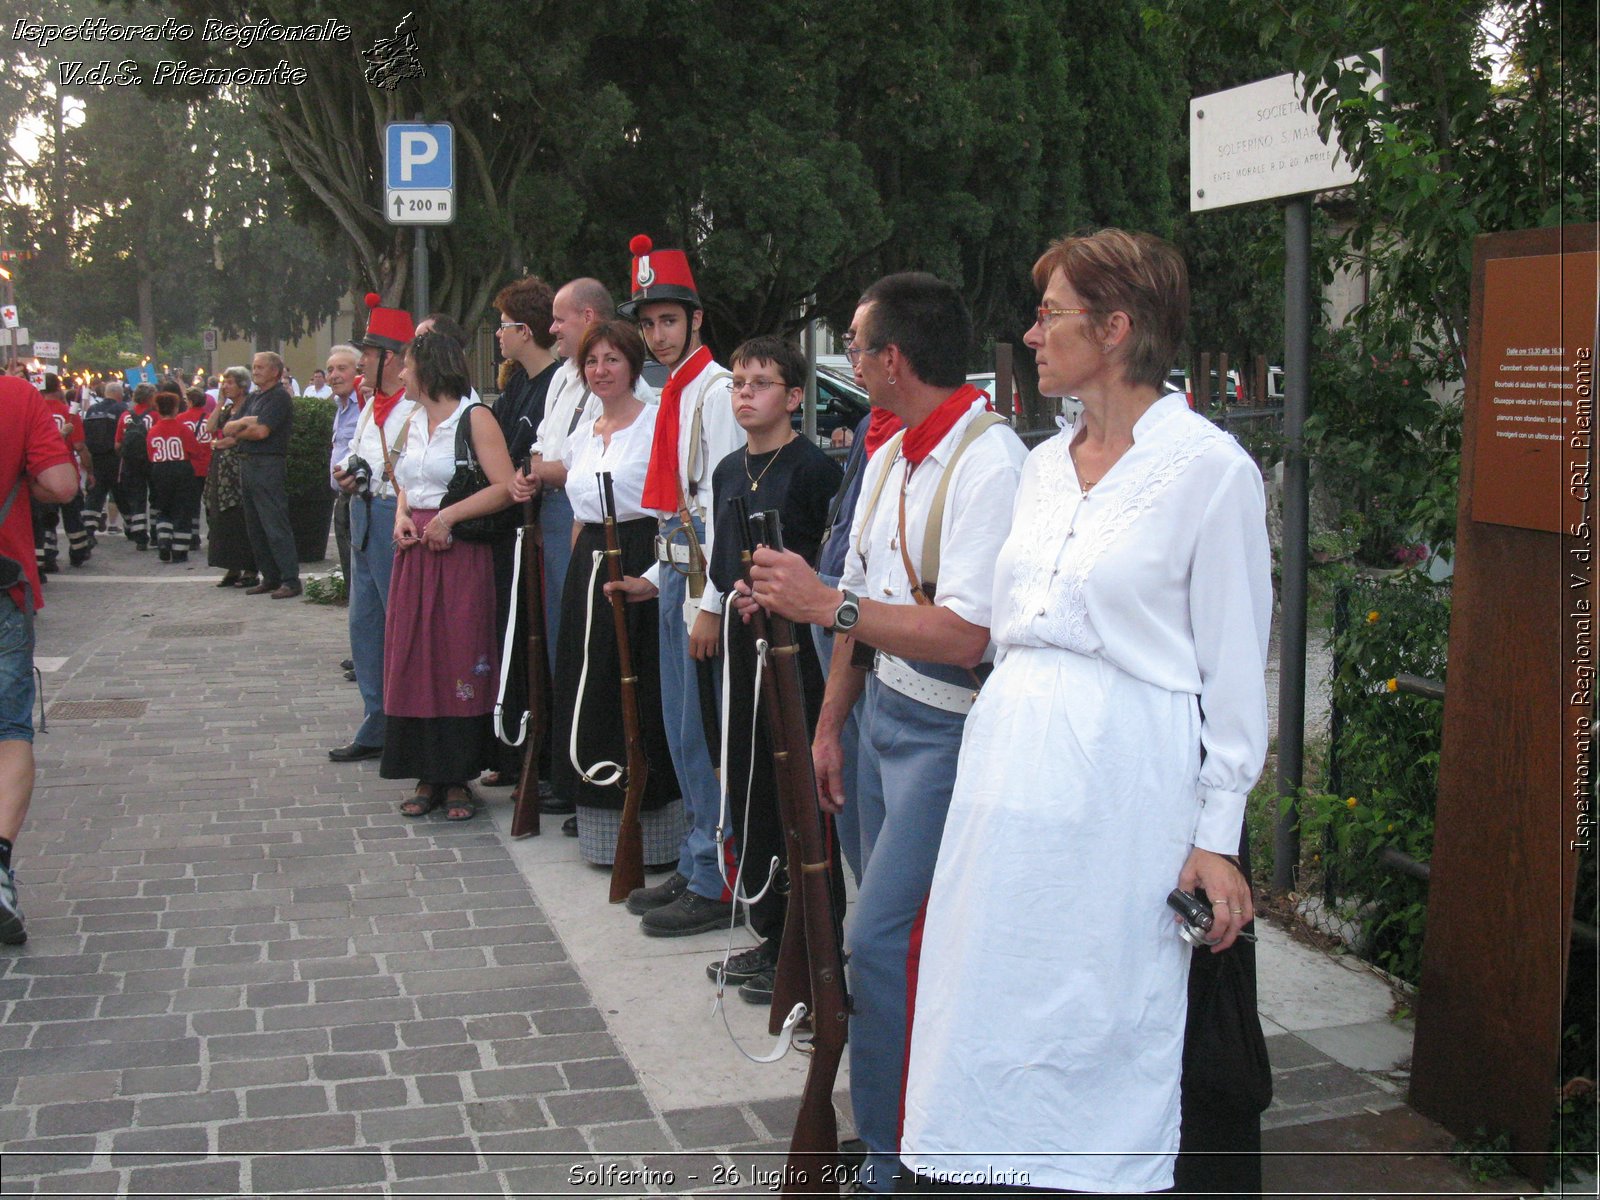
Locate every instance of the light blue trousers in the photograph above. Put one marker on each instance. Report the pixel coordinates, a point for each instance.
(370, 568)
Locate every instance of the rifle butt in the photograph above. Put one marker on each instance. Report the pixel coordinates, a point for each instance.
(813, 1164)
(525, 800)
(627, 865)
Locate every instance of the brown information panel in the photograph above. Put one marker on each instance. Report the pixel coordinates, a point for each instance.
(1536, 353)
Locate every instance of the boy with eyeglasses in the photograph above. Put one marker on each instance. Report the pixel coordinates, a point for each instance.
(776, 469)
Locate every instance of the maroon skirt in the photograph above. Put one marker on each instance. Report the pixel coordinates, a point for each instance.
(438, 635)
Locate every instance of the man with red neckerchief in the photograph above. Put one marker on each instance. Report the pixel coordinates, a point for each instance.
(908, 343)
(694, 432)
(363, 476)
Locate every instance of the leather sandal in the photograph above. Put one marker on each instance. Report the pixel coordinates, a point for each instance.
(422, 802)
(459, 810)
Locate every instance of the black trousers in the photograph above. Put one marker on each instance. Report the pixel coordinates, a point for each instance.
(265, 487)
(105, 485)
(133, 500)
(171, 490)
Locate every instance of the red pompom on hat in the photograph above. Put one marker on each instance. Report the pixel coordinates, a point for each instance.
(658, 275)
(387, 328)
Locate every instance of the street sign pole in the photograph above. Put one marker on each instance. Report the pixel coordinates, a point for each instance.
(419, 272)
(419, 169)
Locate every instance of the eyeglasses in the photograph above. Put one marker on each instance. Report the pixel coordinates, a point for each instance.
(755, 386)
(513, 324)
(1047, 315)
(854, 353)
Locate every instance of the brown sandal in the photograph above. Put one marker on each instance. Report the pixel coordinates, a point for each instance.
(423, 801)
(459, 810)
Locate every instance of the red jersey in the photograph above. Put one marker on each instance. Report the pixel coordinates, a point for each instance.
(30, 444)
(172, 440)
(147, 411)
(68, 422)
(195, 419)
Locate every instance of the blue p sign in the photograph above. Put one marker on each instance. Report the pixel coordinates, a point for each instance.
(419, 156)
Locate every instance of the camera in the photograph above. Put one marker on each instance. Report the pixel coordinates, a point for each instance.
(1196, 914)
(361, 471)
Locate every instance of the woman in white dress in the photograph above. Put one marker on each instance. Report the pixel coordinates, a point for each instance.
(1106, 761)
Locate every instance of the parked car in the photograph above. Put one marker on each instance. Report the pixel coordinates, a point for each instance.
(1178, 380)
(840, 404)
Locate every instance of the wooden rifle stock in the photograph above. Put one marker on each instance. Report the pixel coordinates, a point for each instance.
(811, 957)
(627, 863)
(525, 798)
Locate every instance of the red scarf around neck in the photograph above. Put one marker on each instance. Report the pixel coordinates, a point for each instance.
(661, 481)
(927, 433)
(883, 426)
(383, 405)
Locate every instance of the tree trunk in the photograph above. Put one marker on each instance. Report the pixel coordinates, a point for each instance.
(147, 312)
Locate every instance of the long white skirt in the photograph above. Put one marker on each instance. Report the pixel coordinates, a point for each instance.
(1047, 1038)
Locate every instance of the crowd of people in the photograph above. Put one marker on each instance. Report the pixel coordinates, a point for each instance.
(1034, 682)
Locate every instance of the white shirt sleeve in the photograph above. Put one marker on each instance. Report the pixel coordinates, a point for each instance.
(976, 523)
(1230, 612)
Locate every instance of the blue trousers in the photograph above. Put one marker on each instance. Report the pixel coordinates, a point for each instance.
(848, 822)
(371, 561)
(555, 521)
(686, 737)
(906, 765)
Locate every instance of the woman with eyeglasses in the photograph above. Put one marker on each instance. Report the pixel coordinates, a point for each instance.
(1106, 761)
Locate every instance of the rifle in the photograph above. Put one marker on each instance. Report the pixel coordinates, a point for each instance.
(525, 798)
(627, 863)
(810, 958)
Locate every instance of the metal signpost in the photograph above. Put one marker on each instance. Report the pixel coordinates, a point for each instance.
(419, 173)
(1246, 144)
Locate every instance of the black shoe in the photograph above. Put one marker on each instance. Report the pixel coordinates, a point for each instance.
(647, 899)
(852, 1154)
(689, 914)
(569, 827)
(164, 553)
(180, 556)
(554, 806)
(758, 988)
(228, 580)
(355, 752)
(50, 566)
(77, 559)
(350, 676)
(247, 581)
(347, 664)
(141, 546)
(745, 965)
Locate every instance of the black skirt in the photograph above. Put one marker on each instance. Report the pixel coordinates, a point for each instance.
(229, 544)
(436, 749)
(600, 732)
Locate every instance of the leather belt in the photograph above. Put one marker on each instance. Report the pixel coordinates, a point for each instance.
(672, 552)
(899, 676)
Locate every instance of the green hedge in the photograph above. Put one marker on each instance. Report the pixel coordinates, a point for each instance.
(309, 444)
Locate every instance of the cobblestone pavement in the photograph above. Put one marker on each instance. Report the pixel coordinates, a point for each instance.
(238, 949)
(246, 973)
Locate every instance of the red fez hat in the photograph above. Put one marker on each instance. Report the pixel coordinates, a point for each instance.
(387, 328)
(658, 275)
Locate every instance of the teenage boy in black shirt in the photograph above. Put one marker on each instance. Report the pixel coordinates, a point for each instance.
(776, 469)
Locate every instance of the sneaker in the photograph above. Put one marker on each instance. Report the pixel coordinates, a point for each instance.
(743, 966)
(646, 899)
(758, 988)
(689, 914)
(11, 931)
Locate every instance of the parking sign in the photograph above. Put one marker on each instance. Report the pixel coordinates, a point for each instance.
(419, 169)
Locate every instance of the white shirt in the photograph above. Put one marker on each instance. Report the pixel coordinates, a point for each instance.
(1164, 571)
(321, 393)
(568, 404)
(368, 442)
(426, 464)
(627, 458)
(977, 517)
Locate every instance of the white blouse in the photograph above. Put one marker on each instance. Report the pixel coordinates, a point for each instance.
(1162, 570)
(369, 441)
(627, 458)
(426, 463)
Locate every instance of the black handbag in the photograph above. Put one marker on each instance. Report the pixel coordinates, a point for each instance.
(1224, 1050)
(468, 480)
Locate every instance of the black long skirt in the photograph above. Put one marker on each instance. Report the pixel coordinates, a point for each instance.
(600, 732)
(228, 546)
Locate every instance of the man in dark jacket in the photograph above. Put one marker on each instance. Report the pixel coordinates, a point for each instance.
(261, 432)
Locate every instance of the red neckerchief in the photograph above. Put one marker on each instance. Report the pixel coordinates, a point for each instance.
(661, 482)
(883, 426)
(383, 405)
(922, 437)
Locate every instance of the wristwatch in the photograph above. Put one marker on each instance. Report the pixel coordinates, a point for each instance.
(847, 614)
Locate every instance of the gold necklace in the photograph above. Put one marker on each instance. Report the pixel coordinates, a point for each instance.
(755, 480)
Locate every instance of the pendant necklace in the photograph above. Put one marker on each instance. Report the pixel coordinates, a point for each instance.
(755, 480)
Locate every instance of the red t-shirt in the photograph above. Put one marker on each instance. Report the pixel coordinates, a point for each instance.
(68, 422)
(195, 419)
(30, 444)
(172, 440)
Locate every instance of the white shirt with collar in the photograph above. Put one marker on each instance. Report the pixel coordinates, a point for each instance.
(427, 462)
(369, 442)
(977, 518)
(320, 391)
(567, 405)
